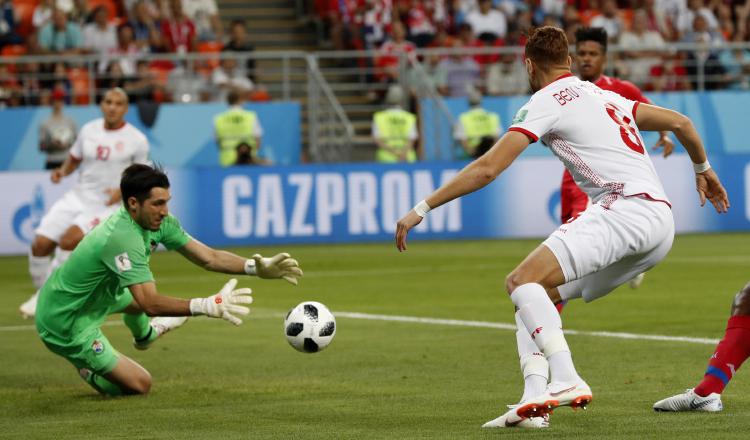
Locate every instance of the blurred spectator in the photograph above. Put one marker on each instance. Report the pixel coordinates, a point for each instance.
(125, 53)
(9, 86)
(703, 63)
(151, 8)
(610, 20)
(101, 35)
(389, 53)
(395, 130)
(642, 48)
(551, 8)
(684, 23)
(588, 14)
(461, 71)
(145, 27)
(187, 86)
(507, 77)
(431, 75)
(33, 89)
(143, 86)
(58, 79)
(78, 11)
(240, 42)
(230, 76)
(60, 35)
(42, 13)
(57, 133)
(234, 127)
(672, 9)
(8, 34)
(670, 75)
(737, 65)
(726, 23)
(205, 16)
(658, 20)
(473, 128)
(376, 18)
(178, 30)
(419, 20)
(487, 23)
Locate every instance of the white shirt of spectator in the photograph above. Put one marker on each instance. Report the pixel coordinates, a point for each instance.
(685, 20)
(104, 155)
(613, 25)
(493, 22)
(101, 41)
(672, 8)
(42, 14)
(593, 132)
(640, 68)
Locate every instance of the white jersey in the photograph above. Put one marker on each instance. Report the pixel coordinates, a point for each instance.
(105, 154)
(593, 132)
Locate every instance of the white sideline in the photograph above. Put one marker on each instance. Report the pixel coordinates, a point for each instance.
(453, 322)
(504, 326)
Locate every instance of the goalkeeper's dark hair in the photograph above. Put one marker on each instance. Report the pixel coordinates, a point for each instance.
(138, 180)
(595, 34)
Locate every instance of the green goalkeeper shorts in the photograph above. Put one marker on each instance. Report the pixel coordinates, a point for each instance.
(91, 350)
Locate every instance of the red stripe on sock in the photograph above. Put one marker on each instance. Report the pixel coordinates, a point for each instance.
(731, 352)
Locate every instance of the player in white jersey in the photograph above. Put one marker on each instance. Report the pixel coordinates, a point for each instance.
(103, 149)
(627, 230)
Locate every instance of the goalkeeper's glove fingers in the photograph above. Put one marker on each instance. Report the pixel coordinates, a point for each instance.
(279, 266)
(226, 304)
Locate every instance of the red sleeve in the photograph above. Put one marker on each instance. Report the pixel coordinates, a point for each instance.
(632, 92)
(528, 134)
(635, 108)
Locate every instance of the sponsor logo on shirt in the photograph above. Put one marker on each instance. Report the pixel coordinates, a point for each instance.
(122, 262)
(519, 117)
(97, 346)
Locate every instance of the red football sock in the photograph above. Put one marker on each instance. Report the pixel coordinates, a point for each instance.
(729, 355)
(559, 306)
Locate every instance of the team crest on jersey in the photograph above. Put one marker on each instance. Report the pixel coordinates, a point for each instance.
(520, 117)
(97, 346)
(122, 262)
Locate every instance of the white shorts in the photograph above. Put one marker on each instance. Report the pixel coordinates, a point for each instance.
(604, 248)
(69, 211)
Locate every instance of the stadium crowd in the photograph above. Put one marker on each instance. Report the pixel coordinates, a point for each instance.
(643, 27)
(118, 33)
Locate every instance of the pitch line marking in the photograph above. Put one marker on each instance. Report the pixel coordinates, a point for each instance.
(504, 326)
(451, 322)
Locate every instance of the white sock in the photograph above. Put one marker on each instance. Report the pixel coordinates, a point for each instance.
(39, 267)
(542, 321)
(61, 256)
(534, 366)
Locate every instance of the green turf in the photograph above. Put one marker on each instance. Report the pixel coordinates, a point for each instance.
(388, 380)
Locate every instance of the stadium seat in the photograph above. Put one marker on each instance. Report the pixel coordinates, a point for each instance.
(80, 82)
(208, 47)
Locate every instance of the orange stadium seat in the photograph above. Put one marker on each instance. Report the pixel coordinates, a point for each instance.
(208, 47)
(80, 82)
(13, 50)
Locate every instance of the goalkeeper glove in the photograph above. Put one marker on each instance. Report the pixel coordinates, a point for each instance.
(225, 304)
(279, 266)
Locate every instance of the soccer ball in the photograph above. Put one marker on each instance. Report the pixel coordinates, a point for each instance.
(309, 327)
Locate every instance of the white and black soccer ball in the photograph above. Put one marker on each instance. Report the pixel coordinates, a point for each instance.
(309, 327)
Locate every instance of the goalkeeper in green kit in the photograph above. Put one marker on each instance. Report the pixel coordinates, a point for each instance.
(109, 273)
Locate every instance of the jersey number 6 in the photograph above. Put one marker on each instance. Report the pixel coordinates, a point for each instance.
(628, 133)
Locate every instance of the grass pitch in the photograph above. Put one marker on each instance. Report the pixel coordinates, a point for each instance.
(384, 379)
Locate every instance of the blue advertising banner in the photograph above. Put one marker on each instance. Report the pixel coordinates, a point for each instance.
(182, 135)
(359, 203)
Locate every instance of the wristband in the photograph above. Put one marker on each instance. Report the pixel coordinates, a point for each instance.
(250, 268)
(196, 306)
(422, 208)
(701, 167)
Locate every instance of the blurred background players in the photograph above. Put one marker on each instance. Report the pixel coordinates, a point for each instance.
(236, 126)
(103, 149)
(56, 133)
(477, 129)
(395, 130)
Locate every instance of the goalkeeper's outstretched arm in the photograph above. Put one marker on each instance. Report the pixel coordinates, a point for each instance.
(279, 266)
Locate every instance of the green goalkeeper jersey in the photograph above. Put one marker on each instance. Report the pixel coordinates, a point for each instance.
(85, 290)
